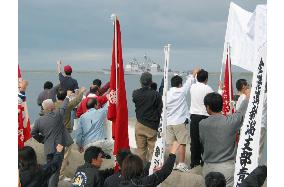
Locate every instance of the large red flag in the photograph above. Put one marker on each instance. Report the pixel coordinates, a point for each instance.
(117, 110)
(24, 126)
(227, 94)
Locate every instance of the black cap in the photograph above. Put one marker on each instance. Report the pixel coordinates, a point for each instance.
(93, 152)
(105, 155)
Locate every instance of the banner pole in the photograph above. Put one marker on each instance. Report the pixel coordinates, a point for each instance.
(230, 78)
(224, 54)
(115, 52)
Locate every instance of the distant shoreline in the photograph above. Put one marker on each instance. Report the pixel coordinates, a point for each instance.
(54, 71)
(101, 72)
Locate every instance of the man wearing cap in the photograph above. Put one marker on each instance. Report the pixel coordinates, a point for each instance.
(89, 174)
(66, 82)
(148, 108)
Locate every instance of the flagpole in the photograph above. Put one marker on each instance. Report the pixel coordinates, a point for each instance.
(230, 81)
(159, 149)
(167, 58)
(221, 72)
(114, 18)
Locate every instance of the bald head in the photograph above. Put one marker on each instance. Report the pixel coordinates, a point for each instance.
(48, 105)
(91, 103)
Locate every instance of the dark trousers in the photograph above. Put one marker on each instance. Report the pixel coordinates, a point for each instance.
(54, 178)
(195, 145)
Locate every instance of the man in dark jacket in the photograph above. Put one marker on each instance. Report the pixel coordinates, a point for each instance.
(66, 81)
(148, 108)
(89, 175)
(49, 129)
(49, 92)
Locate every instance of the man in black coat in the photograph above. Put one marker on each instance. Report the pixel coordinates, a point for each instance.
(148, 108)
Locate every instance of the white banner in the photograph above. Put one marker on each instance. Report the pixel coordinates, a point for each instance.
(248, 147)
(159, 150)
(245, 32)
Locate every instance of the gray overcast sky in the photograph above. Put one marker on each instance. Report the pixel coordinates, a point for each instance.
(81, 32)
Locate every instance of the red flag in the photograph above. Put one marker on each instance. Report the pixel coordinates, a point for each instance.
(19, 72)
(227, 94)
(24, 126)
(117, 110)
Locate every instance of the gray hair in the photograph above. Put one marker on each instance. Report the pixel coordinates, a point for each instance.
(47, 104)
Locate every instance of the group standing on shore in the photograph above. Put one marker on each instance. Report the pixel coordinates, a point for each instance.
(212, 135)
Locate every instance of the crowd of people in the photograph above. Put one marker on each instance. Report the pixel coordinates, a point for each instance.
(212, 135)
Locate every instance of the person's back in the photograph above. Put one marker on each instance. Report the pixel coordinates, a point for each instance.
(113, 180)
(117, 177)
(217, 136)
(132, 169)
(197, 93)
(49, 129)
(94, 93)
(198, 112)
(147, 107)
(61, 95)
(177, 109)
(177, 116)
(32, 174)
(33, 178)
(66, 82)
(241, 86)
(49, 92)
(91, 126)
(176, 106)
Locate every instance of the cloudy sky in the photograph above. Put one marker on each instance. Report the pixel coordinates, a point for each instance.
(80, 32)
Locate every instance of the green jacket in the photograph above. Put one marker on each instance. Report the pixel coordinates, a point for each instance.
(72, 104)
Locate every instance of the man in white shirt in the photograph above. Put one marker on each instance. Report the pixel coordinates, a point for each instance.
(177, 114)
(198, 112)
(241, 85)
